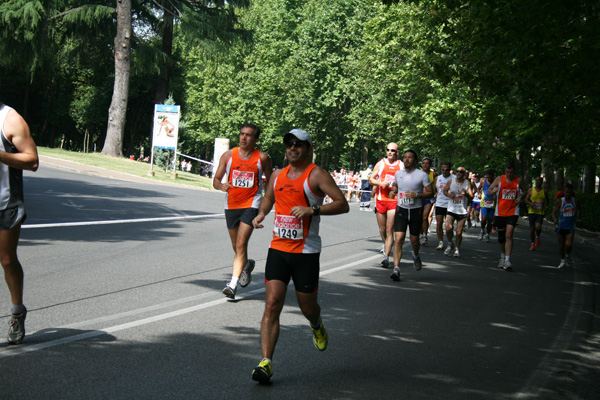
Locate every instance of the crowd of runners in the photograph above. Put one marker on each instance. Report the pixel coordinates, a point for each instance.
(408, 195)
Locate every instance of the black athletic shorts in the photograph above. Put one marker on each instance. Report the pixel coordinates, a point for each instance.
(406, 217)
(441, 211)
(11, 217)
(457, 217)
(535, 219)
(302, 268)
(245, 215)
(501, 222)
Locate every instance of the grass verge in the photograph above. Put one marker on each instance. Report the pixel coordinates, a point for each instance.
(122, 164)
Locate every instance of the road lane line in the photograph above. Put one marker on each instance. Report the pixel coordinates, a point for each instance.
(17, 350)
(119, 221)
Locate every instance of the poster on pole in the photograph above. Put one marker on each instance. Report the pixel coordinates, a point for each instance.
(166, 126)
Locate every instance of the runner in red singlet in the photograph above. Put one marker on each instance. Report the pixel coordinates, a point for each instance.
(382, 180)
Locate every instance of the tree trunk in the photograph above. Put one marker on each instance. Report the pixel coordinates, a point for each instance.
(589, 179)
(365, 154)
(113, 145)
(162, 86)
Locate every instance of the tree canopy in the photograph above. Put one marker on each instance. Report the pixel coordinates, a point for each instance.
(476, 83)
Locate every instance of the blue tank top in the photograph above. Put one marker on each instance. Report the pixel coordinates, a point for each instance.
(568, 212)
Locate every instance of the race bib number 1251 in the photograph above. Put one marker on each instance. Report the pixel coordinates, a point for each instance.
(244, 179)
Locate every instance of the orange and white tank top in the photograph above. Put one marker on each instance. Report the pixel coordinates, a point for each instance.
(507, 194)
(386, 174)
(245, 178)
(291, 234)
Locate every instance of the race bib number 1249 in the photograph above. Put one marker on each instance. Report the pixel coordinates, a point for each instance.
(288, 227)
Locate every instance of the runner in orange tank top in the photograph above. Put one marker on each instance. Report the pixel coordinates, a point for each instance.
(509, 195)
(297, 192)
(244, 166)
(382, 180)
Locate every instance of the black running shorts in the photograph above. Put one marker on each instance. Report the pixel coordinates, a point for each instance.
(302, 268)
(245, 215)
(501, 222)
(11, 217)
(406, 217)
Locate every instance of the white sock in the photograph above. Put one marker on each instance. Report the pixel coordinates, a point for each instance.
(503, 256)
(507, 258)
(234, 281)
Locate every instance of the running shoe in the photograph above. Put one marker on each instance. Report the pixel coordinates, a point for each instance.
(480, 237)
(229, 291)
(532, 248)
(263, 371)
(569, 261)
(385, 263)
(246, 276)
(501, 263)
(396, 274)
(440, 246)
(537, 242)
(382, 251)
(494, 229)
(426, 240)
(417, 263)
(448, 250)
(456, 253)
(507, 266)
(320, 338)
(16, 328)
(422, 240)
(487, 237)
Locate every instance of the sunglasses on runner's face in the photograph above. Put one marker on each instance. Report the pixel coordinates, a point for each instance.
(296, 143)
(461, 171)
(392, 150)
(445, 169)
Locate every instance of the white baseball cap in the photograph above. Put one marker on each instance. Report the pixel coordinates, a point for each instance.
(300, 135)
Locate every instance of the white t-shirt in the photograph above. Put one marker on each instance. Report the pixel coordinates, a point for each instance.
(416, 180)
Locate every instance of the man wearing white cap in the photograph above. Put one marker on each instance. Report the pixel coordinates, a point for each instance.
(297, 192)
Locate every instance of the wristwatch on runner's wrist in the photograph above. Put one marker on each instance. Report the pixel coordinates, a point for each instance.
(316, 209)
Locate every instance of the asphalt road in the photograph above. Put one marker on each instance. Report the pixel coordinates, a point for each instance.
(123, 287)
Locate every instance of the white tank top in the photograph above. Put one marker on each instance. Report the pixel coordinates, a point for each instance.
(11, 179)
(441, 198)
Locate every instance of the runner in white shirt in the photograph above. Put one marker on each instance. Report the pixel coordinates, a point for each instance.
(441, 202)
(457, 190)
(410, 186)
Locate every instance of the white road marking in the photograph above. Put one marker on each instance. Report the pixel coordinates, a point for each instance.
(22, 349)
(119, 221)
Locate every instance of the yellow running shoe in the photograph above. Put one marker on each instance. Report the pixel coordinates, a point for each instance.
(263, 371)
(320, 337)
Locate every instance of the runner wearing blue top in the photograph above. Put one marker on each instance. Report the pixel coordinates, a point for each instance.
(487, 205)
(566, 213)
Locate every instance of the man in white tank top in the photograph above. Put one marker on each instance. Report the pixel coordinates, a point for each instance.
(17, 152)
(441, 202)
(457, 189)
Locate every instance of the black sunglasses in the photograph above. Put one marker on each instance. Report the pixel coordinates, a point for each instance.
(392, 150)
(297, 143)
(462, 171)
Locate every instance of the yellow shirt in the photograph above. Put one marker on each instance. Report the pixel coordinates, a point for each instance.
(537, 198)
